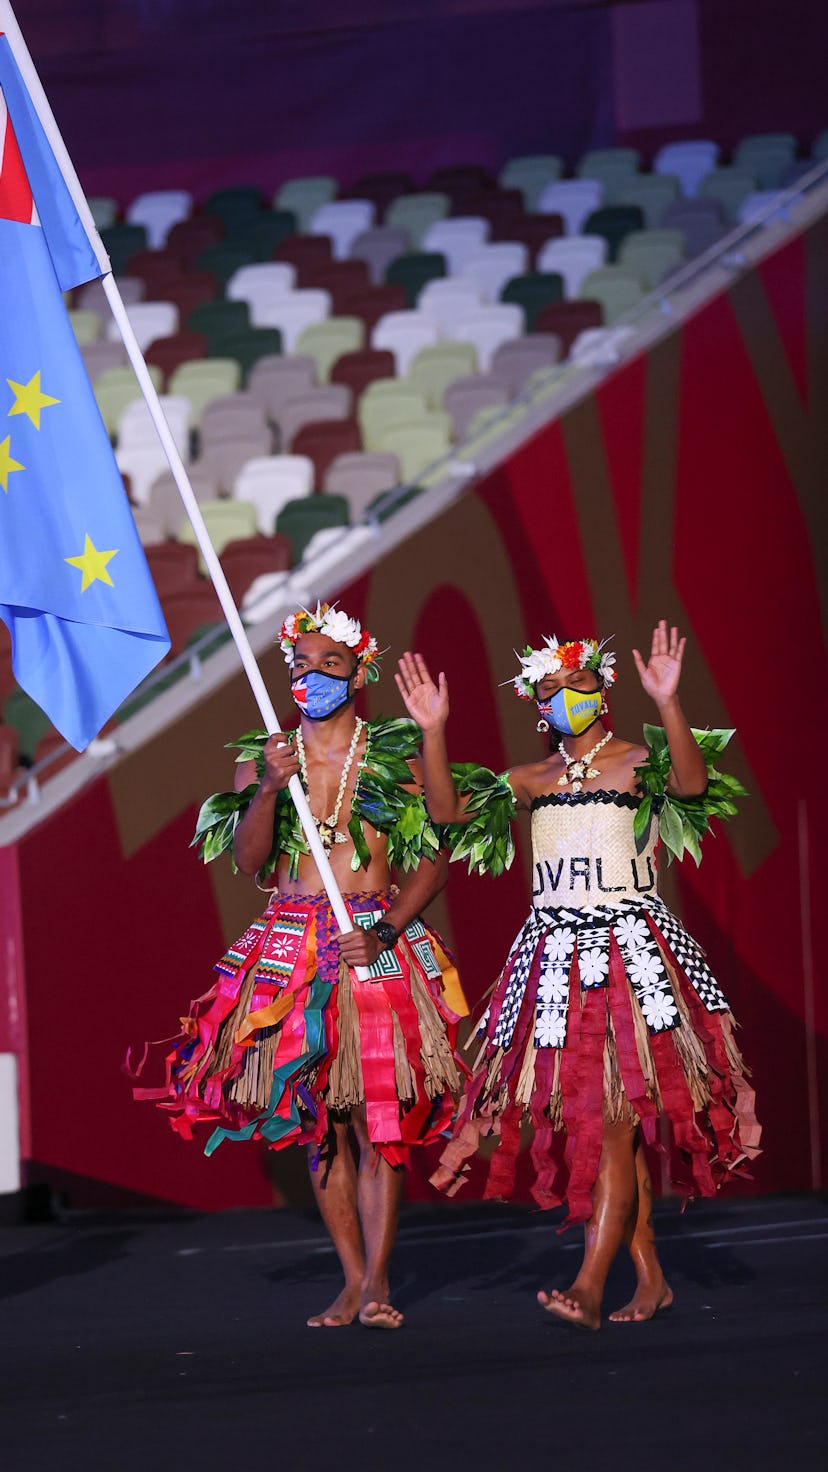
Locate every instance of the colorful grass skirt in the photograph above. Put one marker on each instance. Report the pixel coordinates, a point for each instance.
(288, 1039)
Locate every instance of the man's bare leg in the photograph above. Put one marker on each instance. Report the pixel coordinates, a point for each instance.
(336, 1197)
(379, 1193)
(614, 1203)
(652, 1292)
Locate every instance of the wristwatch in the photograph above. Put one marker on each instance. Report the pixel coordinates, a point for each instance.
(385, 933)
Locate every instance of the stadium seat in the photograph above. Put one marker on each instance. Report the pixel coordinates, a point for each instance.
(375, 303)
(103, 209)
(488, 327)
(186, 292)
(616, 289)
(101, 355)
(226, 521)
(388, 402)
(765, 156)
(260, 283)
(170, 352)
(164, 499)
(342, 220)
(572, 257)
(174, 565)
(447, 302)
(204, 381)
(503, 208)
(357, 370)
(251, 344)
(190, 238)
(419, 443)
(190, 609)
(158, 211)
(341, 279)
(653, 193)
(222, 258)
(573, 199)
(379, 247)
(121, 241)
(701, 229)
(115, 389)
(819, 147)
(757, 204)
(295, 311)
(87, 326)
(273, 380)
(251, 557)
(612, 167)
(270, 481)
(28, 720)
(239, 203)
(465, 397)
(149, 321)
(534, 231)
(493, 265)
(92, 296)
(650, 254)
(215, 320)
(304, 196)
(404, 333)
(308, 253)
(261, 234)
(148, 525)
(382, 188)
(514, 362)
(360, 477)
(416, 213)
(432, 369)
(613, 223)
(299, 521)
(226, 458)
(414, 270)
(327, 341)
(457, 239)
(322, 443)
(566, 319)
(531, 173)
(142, 463)
(329, 401)
(689, 161)
(230, 416)
(534, 292)
(729, 186)
(459, 180)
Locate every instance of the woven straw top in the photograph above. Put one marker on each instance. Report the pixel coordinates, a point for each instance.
(584, 852)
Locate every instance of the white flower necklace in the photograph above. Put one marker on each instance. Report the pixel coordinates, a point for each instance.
(578, 771)
(327, 826)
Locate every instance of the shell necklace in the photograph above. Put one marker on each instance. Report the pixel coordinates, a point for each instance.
(327, 826)
(578, 771)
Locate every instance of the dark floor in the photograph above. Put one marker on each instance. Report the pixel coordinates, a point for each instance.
(137, 1341)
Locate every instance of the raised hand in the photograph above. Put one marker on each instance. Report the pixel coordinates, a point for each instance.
(426, 703)
(660, 676)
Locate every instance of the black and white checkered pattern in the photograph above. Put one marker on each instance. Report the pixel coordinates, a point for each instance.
(689, 956)
(523, 953)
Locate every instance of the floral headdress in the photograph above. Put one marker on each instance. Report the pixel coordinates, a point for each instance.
(575, 654)
(331, 621)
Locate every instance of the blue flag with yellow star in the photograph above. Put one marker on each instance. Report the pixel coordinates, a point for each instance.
(75, 589)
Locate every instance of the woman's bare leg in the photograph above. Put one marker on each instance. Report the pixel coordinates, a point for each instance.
(652, 1291)
(614, 1202)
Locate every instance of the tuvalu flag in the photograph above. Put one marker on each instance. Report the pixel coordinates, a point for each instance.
(75, 589)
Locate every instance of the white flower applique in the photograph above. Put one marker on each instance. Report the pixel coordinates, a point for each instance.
(550, 1028)
(632, 931)
(659, 1010)
(560, 943)
(593, 966)
(645, 970)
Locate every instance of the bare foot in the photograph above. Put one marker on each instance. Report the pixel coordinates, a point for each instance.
(342, 1311)
(376, 1314)
(646, 1302)
(574, 1306)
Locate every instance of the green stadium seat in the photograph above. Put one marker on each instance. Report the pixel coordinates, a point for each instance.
(533, 292)
(261, 236)
(327, 341)
(217, 320)
(614, 222)
(122, 241)
(530, 173)
(251, 344)
(617, 291)
(304, 196)
(388, 401)
(203, 381)
(432, 369)
(653, 193)
(28, 720)
(301, 519)
(650, 254)
(413, 270)
(416, 212)
(223, 258)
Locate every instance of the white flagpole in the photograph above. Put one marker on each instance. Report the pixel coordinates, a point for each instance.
(208, 551)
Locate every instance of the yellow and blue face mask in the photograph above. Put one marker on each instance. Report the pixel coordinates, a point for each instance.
(571, 712)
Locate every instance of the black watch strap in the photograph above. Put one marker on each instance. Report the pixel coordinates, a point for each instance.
(386, 933)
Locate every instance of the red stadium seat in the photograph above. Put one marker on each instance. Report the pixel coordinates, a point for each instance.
(342, 279)
(168, 353)
(249, 557)
(357, 370)
(374, 303)
(174, 567)
(308, 253)
(322, 443)
(567, 319)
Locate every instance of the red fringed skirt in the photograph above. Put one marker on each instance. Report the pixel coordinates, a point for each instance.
(288, 1038)
(604, 1014)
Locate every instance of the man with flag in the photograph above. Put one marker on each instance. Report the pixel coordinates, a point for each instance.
(75, 589)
